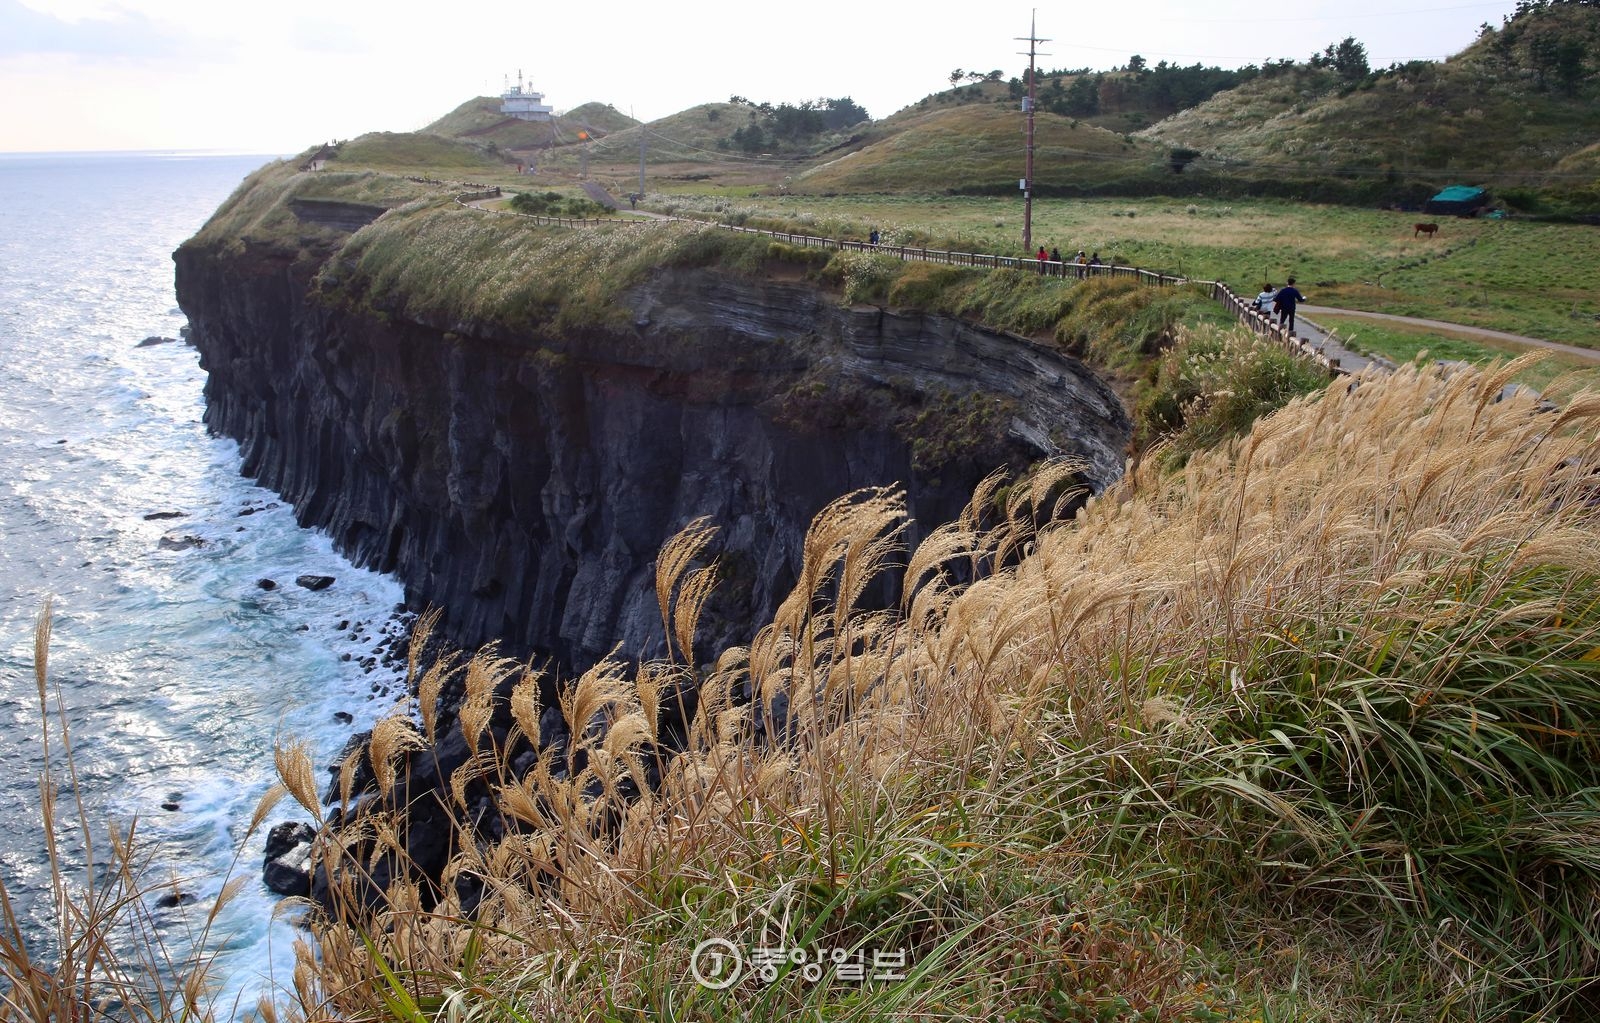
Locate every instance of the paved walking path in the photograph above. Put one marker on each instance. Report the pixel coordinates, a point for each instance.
(1320, 341)
(1460, 328)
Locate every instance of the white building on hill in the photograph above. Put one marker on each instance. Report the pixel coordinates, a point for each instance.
(521, 102)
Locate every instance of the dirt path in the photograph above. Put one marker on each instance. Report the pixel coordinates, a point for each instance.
(1460, 328)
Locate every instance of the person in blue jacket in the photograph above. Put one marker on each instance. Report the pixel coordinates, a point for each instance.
(1283, 304)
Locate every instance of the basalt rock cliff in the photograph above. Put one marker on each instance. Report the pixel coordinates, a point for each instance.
(523, 480)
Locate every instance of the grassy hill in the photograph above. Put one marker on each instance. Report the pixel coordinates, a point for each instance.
(696, 148)
(1505, 112)
(479, 119)
(979, 148)
(691, 135)
(1119, 100)
(415, 153)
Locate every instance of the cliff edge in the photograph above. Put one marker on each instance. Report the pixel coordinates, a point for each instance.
(513, 418)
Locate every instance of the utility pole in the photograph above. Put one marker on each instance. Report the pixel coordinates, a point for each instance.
(641, 161)
(1033, 42)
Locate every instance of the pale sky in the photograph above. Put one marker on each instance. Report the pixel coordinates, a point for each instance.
(276, 78)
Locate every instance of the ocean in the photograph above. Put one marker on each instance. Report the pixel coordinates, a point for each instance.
(178, 670)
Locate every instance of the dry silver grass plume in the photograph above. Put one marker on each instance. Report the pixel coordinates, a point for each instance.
(298, 776)
(392, 736)
(671, 564)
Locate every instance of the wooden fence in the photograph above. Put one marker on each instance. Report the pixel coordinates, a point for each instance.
(1244, 310)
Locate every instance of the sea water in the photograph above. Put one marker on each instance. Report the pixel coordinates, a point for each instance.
(178, 670)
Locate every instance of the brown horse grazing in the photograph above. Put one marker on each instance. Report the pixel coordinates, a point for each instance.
(1427, 229)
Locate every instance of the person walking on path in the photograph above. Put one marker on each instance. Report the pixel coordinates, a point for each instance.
(1284, 302)
(1263, 302)
(1044, 256)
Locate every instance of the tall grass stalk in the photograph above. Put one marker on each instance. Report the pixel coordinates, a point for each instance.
(108, 956)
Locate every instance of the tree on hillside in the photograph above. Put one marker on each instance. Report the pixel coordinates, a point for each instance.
(1347, 57)
(956, 76)
(1528, 6)
(1557, 59)
(1136, 63)
(792, 123)
(1181, 157)
(842, 113)
(751, 138)
(1151, 93)
(1083, 98)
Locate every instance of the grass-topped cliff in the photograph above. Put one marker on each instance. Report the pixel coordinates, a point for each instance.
(429, 260)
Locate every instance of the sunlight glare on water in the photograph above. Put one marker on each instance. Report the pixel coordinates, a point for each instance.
(178, 671)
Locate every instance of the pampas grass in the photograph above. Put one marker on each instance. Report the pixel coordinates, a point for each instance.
(1302, 729)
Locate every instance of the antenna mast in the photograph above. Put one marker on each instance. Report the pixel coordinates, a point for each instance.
(1033, 42)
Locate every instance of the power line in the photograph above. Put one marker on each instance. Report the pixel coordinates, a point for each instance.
(1341, 16)
(1221, 56)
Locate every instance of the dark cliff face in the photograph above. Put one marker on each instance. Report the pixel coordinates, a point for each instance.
(525, 484)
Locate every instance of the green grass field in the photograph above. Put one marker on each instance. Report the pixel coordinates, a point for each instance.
(1531, 278)
(1403, 343)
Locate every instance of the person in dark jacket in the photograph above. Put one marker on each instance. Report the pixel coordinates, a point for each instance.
(1283, 304)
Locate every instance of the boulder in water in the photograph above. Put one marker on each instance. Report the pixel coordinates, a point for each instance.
(286, 869)
(314, 582)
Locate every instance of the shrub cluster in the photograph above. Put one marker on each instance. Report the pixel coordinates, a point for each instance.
(1213, 384)
(554, 204)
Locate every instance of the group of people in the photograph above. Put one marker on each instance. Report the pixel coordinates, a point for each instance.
(1280, 302)
(1054, 256)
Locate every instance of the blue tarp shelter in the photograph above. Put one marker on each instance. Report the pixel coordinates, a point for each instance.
(1458, 200)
